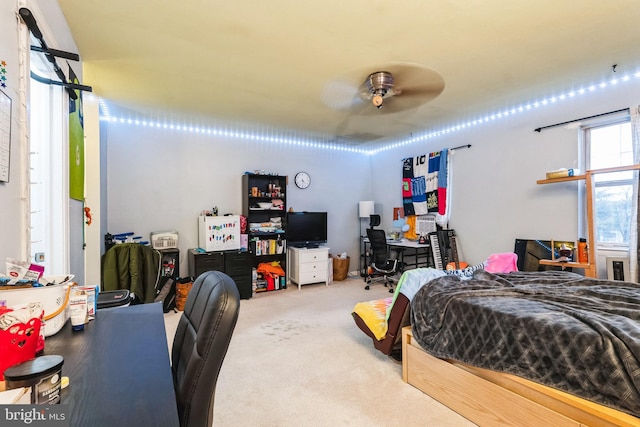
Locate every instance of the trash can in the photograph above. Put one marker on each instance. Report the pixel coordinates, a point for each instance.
(340, 268)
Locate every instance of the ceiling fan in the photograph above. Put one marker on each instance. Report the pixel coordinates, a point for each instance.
(391, 88)
(378, 86)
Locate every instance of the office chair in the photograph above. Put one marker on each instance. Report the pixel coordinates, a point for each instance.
(200, 345)
(382, 265)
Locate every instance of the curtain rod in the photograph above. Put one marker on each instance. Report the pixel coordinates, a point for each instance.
(30, 21)
(583, 118)
(458, 147)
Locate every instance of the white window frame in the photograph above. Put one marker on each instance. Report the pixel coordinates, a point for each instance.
(599, 180)
(46, 174)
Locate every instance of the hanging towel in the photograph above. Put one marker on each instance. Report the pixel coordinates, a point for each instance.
(432, 178)
(419, 195)
(420, 185)
(442, 182)
(407, 177)
(407, 167)
(421, 166)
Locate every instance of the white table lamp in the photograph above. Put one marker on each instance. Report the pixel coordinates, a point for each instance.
(365, 209)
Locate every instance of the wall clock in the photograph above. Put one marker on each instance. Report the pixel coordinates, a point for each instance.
(302, 180)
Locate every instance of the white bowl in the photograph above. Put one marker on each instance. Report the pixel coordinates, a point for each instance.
(264, 205)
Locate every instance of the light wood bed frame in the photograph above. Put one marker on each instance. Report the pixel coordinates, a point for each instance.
(490, 398)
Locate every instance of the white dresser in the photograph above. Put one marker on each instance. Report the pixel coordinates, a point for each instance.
(308, 265)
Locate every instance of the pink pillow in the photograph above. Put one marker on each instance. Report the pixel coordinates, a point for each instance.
(501, 263)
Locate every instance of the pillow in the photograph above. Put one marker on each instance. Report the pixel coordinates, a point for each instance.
(501, 263)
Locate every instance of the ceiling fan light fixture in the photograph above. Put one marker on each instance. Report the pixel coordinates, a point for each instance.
(377, 100)
(380, 83)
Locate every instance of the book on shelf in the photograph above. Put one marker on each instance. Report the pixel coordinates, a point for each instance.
(268, 246)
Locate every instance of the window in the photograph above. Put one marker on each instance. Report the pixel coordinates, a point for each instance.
(609, 145)
(48, 185)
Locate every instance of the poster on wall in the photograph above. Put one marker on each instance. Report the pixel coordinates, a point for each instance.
(76, 143)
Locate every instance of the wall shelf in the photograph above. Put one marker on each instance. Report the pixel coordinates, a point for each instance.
(565, 264)
(590, 269)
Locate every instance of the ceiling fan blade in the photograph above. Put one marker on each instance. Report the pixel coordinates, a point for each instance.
(413, 85)
(341, 95)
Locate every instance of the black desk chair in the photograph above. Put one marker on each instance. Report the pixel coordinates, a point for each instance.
(200, 345)
(382, 266)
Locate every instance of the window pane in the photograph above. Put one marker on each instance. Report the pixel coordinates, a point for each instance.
(47, 170)
(610, 146)
(613, 214)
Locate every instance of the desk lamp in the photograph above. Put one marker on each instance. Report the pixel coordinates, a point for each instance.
(365, 210)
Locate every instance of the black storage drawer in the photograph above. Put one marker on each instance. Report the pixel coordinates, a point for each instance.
(199, 262)
(237, 263)
(244, 285)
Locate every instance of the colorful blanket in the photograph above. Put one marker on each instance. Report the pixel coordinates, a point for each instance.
(374, 315)
(424, 183)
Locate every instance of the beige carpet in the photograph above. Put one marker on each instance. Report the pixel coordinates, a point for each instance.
(297, 358)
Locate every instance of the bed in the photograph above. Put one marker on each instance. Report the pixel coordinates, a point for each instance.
(528, 348)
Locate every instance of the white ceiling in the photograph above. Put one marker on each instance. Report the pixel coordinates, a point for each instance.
(295, 65)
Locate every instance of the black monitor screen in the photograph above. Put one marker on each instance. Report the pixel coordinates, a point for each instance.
(306, 228)
(530, 252)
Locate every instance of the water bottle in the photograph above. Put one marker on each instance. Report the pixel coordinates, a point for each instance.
(254, 280)
(583, 252)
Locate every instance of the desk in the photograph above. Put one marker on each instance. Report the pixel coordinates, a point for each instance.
(419, 253)
(411, 254)
(118, 368)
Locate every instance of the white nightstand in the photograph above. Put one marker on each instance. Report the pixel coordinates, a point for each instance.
(308, 265)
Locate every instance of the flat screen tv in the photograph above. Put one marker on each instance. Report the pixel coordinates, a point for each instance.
(306, 229)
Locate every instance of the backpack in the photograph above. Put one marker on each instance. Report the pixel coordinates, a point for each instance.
(166, 294)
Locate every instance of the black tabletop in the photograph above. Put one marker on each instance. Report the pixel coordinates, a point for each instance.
(119, 369)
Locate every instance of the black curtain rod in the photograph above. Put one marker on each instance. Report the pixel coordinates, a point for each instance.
(583, 118)
(459, 147)
(50, 54)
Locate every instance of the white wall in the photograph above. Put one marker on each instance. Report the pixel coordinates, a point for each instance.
(161, 180)
(12, 223)
(495, 195)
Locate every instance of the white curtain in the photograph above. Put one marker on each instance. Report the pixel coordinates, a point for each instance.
(634, 253)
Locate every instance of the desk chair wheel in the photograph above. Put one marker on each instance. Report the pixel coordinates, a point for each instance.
(367, 287)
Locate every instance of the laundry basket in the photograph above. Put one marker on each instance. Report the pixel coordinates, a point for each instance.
(340, 268)
(54, 300)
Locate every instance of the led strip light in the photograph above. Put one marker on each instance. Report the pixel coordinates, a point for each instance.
(316, 142)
